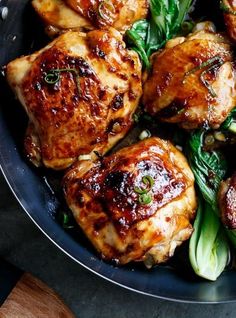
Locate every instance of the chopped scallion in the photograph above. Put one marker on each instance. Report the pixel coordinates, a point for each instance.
(53, 76)
(232, 128)
(145, 134)
(84, 157)
(145, 198)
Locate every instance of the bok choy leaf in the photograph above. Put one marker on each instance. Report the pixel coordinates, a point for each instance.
(146, 37)
(209, 167)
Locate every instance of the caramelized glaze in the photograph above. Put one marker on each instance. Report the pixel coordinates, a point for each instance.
(175, 90)
(103, 198)
(89, 108)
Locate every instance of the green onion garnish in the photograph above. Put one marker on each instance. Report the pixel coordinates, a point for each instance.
(205, 82)
(53, 76)
(66, 221)
(140, 190)
(148, 180)
(212, 63)
(203, 65)
(144, 196)
(105, 3)
(145, 134)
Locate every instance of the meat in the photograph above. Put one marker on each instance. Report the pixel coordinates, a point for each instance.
(136, 204)
(57, 16)
(89, 14)
(227, 202)
(192, 81)
(229, 9)
(79, 92)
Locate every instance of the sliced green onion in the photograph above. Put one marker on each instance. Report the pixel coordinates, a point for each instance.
(209, 140)
(232, 128)
(148, 180)
(66, 221)
(107, 3)
(205, 82)
(145, 134)
(212, 63)
(53, 76)
(140, 190)
(84, 157)
(145, 198)
(219, 136)
(203, 65)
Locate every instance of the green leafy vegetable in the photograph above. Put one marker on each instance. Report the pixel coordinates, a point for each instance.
(208, 248)
(209, 167)
(146, 37)
(136, 37)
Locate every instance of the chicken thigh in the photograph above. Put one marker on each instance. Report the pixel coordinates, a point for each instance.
(57, 16)
(90, 14)
(136, 204)
(192, 81)
(229, 9)
(79, 92)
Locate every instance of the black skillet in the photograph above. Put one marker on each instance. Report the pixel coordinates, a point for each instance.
(21, 33)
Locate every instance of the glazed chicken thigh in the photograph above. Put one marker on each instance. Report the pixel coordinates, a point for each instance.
(79, 92)
(90, 14)
(192, 81)
(229, 9)
(57, 16)
(136, 204)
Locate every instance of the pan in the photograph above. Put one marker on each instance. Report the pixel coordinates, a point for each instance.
(21, 33)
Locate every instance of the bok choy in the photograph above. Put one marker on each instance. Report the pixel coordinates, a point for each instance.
(146, 37)
(208, 247)
(209, 167)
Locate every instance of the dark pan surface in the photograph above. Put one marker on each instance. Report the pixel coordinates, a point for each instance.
(20, 34)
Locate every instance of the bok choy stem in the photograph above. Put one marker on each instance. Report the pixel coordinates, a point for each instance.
(208, 247)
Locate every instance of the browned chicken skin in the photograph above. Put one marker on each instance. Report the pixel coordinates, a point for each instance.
(227, 202)
(117, 13)
(229, 8)
(106, 201)
(89, 105)
(192, 81)
(89, 14)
